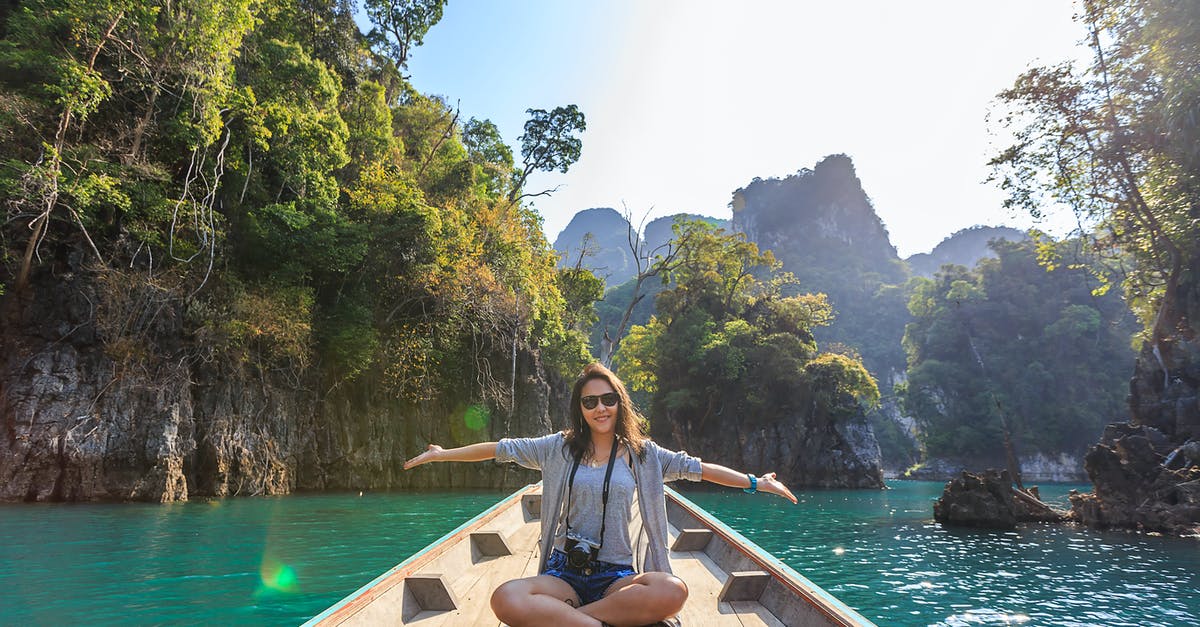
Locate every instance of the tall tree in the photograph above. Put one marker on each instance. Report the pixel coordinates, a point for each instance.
(648, 264)
(401, 25)
(1116, 142)
(549, 143)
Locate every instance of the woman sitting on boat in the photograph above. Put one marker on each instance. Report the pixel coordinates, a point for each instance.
(590, 474)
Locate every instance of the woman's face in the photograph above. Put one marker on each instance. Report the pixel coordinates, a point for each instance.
(602, 418)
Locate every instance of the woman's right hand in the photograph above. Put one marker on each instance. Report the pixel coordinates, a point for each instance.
(431, 454)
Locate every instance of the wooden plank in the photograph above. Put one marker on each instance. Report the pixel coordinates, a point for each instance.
(744, 585)
(532, 505)
(751, 613)
(431, 592)
(692, 540)
(704, 581)
(386, 585)
(489, 544)
(476, 595)
(702, 609)
(789, 595)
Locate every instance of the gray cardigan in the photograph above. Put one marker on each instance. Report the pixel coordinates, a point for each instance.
(549, 454)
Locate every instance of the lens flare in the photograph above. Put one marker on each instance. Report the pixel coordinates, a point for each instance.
(278, 576)
(476, 417)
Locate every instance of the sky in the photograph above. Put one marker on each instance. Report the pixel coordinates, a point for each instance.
(689, 100)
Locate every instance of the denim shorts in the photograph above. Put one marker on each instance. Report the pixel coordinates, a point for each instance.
(590, 588)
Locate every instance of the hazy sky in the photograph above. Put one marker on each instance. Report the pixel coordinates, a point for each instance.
(688, 100)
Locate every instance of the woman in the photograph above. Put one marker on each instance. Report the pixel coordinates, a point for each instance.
(590, 474)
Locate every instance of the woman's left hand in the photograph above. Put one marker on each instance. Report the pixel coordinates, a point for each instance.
(768, 483)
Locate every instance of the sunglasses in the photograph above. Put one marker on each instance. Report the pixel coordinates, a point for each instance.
(610, 400)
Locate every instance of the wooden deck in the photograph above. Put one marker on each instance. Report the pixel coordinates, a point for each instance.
(730, 580)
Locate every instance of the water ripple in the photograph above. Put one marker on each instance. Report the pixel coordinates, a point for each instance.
(898, 567)
(278, 561)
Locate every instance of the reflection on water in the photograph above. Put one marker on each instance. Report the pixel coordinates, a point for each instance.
(279, 561)
(256, 561)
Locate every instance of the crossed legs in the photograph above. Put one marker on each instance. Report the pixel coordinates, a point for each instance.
(544, 600)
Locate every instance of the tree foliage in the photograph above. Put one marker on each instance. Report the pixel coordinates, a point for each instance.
(1012, 341)
(308, 208)
(726, 343)
(549, 144)
(1116, 143)
(398, 26)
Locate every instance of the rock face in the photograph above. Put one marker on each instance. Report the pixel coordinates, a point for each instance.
(1146, 472)
(810, 452)
(977, 500)
(1134, 486)
(602, 236)
(1034, 468)
(79, 425)
(821, 226)
(659, 230)
(819, 211)
(988, 500)
(963, 248)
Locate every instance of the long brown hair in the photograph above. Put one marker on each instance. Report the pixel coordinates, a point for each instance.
(630, 427)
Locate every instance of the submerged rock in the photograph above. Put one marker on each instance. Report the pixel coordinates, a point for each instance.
(988, 500)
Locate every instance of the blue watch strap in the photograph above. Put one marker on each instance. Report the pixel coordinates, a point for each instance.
(753, 484)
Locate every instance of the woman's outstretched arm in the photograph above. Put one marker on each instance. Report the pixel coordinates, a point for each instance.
(720, 475)
(469, 453)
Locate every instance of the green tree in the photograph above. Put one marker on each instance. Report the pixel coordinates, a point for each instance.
(487, 149)
(401, 25)
(727, 343)
(548, 144)
(1013, 342)
(109, 63)
(1116, 143)
(346, 229)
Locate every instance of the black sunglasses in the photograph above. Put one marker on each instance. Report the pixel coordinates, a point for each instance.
(610, 400)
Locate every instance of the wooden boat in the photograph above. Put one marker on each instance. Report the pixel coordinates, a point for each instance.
(731, 581)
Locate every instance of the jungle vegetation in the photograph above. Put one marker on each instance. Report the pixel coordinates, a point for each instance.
(726, 342)
(1117, 142)
(268, 168)
(1010, 342)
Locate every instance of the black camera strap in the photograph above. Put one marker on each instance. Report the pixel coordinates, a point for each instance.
(612, 458)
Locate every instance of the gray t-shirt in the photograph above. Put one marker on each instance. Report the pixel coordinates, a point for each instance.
(548, 454)
(586, 506)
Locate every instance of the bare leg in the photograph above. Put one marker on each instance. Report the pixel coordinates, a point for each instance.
(541, 600)
(640, 600)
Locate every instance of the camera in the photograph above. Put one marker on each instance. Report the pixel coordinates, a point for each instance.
(581, 552)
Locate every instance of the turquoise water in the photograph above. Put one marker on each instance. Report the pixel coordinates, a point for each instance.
(882, 554)
(283, 560)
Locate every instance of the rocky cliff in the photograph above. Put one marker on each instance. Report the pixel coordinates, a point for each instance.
(809, 451)
(821, 225)
(82, 424)
(963, 248)
(600, 237)
(1146, 472)
(658, 231)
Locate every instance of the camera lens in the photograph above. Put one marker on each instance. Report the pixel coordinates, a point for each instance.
(577, 557)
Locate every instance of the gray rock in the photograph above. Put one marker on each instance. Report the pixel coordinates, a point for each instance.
(166, 422)
(988, 500)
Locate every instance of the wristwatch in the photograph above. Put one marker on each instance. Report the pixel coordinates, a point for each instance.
(753, 484)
